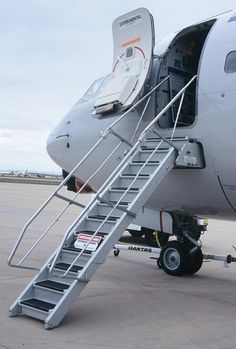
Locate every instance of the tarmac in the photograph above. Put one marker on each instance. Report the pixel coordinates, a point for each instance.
(129, 303)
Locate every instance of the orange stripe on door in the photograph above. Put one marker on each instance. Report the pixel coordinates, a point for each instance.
(130, 42)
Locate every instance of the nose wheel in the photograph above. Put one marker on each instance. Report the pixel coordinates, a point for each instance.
(173, 258)
(177, 259)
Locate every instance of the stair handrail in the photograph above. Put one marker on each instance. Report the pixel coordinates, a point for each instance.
(118, 169)
(65, 208)
(110, 213)
(41, 208)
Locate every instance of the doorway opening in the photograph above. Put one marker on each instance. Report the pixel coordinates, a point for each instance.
(181, 63)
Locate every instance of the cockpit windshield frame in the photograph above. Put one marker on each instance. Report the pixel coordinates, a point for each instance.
(95, 89)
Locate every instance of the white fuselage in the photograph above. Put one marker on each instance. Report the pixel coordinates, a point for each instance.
(210, 191)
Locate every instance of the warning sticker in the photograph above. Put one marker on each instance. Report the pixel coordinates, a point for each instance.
(83, 239)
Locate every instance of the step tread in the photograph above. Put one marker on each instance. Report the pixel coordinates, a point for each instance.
(151, 139)
(131, 175)
(124, 188)
(113, 203)
(38, 304)
(89, 232)
(74, 249)
(65, 266)
(53, 285)
(159, 150)
(143, 162)
(118, 207)
(101, 217)
(122, 203)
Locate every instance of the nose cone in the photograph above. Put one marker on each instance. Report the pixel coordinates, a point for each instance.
(72, 139)
(56, 145)
(51, 145)
(65, 143)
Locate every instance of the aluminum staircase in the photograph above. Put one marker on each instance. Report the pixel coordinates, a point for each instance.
(91, 237)
(49, 295)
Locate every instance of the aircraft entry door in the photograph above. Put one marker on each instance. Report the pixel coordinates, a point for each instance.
(133, 41)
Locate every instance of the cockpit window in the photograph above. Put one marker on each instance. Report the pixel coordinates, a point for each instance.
(103, 84)
(94, 90)
(230, 63)
(91, 92)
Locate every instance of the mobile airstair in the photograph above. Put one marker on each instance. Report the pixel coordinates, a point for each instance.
(98, 228)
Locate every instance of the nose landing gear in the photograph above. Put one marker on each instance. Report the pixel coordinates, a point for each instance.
(183, 256)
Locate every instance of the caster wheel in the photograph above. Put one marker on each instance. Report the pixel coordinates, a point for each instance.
(116, 253)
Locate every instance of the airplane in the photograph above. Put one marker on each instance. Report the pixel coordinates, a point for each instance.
(206, 50)
(41, 174)
(155, 141)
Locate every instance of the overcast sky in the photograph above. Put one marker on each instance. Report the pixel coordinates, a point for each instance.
(52, 50)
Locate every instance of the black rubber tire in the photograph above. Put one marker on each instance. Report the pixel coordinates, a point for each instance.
(155, 238)
(174, 258)
(116, 252)
(135, 233)
(195, 260)
(159, 263)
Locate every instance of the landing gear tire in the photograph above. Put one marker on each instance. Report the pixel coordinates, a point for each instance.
(195, 260)
(173, 258)
(155, 238)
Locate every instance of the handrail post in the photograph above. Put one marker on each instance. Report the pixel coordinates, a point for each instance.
(177, 116)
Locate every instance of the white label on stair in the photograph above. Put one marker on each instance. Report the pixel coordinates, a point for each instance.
(84, 239)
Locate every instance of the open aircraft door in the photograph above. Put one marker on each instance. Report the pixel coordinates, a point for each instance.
(133, 41)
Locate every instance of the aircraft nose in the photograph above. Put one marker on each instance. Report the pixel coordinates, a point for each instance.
(54, 146)
(67, 134)
(51, 145)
